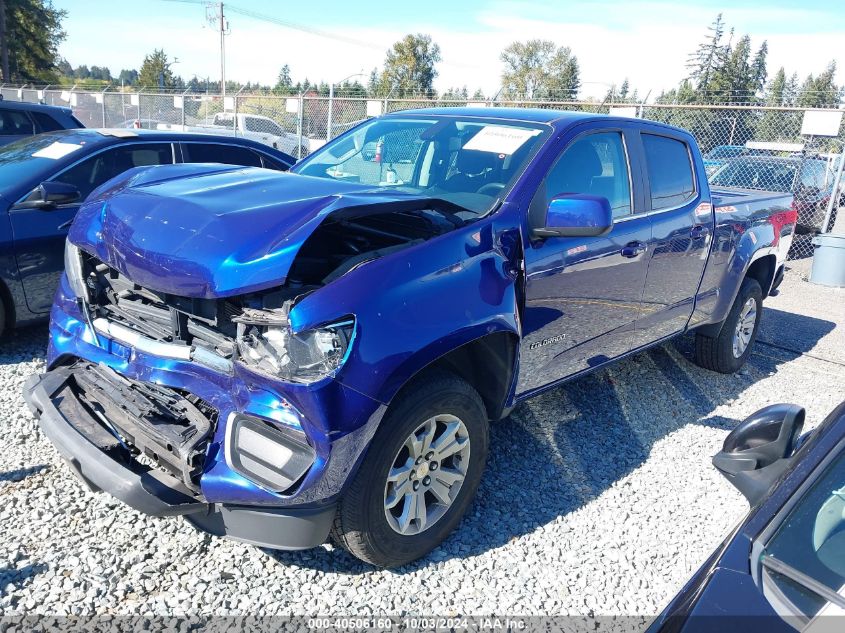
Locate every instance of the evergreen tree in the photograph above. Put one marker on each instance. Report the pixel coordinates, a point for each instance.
(29, 47)
(759, 74)
(709, 56)
(776, 93)
(732, 81)
(155, 72)
(790, 92)
(284, 83)
(821, 91)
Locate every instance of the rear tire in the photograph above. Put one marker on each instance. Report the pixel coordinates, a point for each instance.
(727, 352)
(2, 316)
(446, 415)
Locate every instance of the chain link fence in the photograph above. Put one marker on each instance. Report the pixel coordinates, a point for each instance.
(752, 147)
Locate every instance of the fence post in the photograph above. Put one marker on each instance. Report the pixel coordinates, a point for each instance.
(103, 94)
(834, 192)
(331, 113)
(183, 108)
(299, 125)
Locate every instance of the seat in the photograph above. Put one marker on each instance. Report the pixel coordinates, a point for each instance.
(473, 168)
(576, 171)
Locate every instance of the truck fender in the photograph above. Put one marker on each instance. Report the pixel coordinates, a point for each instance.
(751, 257)
(485, 356)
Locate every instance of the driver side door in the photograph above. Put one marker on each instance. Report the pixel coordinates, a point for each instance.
(584, 294)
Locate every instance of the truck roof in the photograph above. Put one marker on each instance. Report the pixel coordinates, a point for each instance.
(533, 115)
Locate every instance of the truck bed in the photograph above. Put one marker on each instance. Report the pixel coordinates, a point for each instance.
(753, 198)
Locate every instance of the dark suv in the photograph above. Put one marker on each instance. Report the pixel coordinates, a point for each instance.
(19, 120)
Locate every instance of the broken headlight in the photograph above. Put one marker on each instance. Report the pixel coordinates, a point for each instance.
(73, 270)
(304, 357)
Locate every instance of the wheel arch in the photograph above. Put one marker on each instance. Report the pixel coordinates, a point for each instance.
(762, 269)
(487, 363)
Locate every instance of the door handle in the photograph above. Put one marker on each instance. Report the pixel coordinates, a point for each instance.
(699, 231)
(633, 249)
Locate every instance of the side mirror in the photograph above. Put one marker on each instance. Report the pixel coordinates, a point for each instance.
(49, 195)
(577, 215)
(757, 451)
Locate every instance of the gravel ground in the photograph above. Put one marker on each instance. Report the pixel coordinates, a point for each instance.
(599, 498)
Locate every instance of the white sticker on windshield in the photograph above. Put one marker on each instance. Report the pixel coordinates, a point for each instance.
(499, 139)
(56, 150)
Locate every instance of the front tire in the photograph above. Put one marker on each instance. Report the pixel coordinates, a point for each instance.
(727, 352)
(419, 476)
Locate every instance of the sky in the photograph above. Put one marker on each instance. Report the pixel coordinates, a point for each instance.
(647, 41)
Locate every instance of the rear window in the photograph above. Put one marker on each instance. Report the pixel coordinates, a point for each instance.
(669, 171)
(46, 123)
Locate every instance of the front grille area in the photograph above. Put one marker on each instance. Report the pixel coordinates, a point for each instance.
(169, 427)
(161, 317)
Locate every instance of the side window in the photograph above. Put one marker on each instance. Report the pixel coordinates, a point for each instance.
(594, 164)
(15, 123)
(219, 153)
(811, 541)
(669, 171)
(93, 172)
(45, 123)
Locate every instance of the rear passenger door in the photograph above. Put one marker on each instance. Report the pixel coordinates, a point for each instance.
(682, 231)
(40, 235)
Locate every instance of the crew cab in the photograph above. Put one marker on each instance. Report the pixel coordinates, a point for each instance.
(277, 356)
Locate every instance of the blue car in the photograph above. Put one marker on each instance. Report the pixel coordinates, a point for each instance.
(322, 350)
(45, 178)
(19, 120)
(783, 567)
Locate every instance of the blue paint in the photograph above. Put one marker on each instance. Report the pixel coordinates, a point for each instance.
(570, 304)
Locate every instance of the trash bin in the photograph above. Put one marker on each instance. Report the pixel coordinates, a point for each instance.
(829, 260)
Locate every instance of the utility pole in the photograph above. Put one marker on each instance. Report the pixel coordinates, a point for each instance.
(219, 20)
(4, 43)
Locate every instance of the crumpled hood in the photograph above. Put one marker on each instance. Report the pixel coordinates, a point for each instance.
(209, 231)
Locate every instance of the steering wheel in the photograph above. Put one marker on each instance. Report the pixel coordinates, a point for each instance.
(491, 188)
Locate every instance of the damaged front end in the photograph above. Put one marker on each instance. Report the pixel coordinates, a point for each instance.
(188, 374)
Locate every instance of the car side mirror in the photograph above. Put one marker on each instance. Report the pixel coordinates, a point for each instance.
(49, 195)
(759, 449)
(576, 215)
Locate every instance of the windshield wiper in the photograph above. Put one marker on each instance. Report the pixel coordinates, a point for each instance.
(802, 579)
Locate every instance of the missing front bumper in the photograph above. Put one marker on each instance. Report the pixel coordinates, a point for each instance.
(104, 466)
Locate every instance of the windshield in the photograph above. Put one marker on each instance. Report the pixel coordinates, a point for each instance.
(765, 175)
(32, 157)
(469, 162)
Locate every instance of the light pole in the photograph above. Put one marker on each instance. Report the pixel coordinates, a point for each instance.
(331, 102)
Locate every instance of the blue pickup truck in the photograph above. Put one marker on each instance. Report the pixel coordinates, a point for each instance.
(281, 356)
